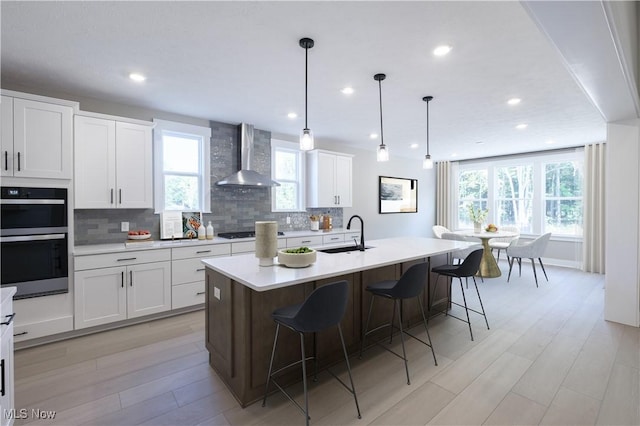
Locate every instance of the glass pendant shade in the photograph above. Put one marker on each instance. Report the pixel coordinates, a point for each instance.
(427, 163)
(383, 153)
(306, 140)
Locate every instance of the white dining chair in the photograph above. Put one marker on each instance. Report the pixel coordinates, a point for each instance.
(501, 243)
(529, 250)
(438, 230)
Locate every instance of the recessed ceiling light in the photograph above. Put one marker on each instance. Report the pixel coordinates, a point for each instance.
(347, 90)
(550, 142)
(442, 50)
(292, 115)
(514, 101)
(521, 126)
(137, 77)
(414, 145)
(455, 154)
(373, 136)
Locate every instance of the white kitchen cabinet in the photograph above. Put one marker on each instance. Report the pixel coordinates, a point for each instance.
(106, 293)
(37, 139)
(187, 272)
(6, 357)
(113, 164)
(329, 179)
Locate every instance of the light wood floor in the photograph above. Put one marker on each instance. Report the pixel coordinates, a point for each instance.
(549, 358)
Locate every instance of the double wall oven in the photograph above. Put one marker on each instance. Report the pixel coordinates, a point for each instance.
(34, 242)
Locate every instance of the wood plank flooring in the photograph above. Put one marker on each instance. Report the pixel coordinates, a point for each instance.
(549, 358)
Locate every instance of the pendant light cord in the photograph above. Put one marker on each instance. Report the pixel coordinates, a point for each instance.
(427, 127)
(381, 130)
(306, 71)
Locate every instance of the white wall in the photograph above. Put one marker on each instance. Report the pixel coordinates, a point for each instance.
(622, 282)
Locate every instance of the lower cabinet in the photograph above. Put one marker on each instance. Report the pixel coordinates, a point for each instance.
(6, 359)
(117, 293)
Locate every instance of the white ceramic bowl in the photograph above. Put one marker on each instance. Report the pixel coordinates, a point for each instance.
(296, 260)
(139, 237)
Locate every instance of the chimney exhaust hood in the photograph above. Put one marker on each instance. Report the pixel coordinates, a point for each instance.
(246, 176)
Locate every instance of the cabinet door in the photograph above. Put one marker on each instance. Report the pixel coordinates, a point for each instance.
(326, 180)
(100, 296)
(148, 289)
(7, 136)
(134, 159)
(343, 180)
(42, 139)
(95, 156)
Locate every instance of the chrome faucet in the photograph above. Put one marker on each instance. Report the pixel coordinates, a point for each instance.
(361, 246)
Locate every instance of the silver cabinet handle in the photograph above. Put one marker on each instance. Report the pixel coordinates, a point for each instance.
(21, 334)
(203, 251)
(6, 160)
(125, 259)
(131, 278)
(200, 269)
(199, 293)
(305, 241)
(111, 196)
(122, 280)
(120, 195)
(18, 161)
(338, 200)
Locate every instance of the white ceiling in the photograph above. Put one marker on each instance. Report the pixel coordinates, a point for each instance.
(240, 61)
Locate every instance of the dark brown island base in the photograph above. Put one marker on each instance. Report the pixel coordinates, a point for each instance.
(240, 297)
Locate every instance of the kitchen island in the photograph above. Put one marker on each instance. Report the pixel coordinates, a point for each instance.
(240, 296)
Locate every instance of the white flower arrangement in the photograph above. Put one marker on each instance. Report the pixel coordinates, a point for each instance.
(479, 215)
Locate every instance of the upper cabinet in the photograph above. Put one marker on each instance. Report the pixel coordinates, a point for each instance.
(113, 164)
(37, 139)
(329, 180)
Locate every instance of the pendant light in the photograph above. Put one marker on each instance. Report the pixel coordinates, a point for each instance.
(427, 163)
(383, 151)
(306, 135)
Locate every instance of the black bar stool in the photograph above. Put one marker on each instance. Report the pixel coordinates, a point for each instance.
(466, 269)
(324, 308)
(410, 285)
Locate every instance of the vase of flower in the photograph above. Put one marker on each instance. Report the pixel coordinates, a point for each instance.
(477, 216)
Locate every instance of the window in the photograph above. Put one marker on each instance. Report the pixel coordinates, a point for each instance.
(181, 159)
(287, 168)
(537, 193)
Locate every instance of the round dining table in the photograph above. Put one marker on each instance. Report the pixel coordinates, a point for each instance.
(488, 266)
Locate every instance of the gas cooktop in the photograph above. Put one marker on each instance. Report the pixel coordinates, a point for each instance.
(241, 234)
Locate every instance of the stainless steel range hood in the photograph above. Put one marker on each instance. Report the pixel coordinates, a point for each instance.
(246, 176)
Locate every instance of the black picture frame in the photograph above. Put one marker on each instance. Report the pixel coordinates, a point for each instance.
(397, 195)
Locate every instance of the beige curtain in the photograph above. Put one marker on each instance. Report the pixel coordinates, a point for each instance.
(593, 252)
(445, 196)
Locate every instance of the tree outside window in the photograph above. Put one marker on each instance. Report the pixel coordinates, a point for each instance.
(514, 196)
(473, 188)
(563, 198)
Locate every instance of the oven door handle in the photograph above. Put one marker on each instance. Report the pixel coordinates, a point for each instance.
(30, 201)
(43, 237)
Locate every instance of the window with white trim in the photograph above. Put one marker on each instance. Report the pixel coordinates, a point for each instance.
(181, 167)
(287, 168)
(538, 193)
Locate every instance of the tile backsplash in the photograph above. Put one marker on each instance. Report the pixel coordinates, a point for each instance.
(232, 208)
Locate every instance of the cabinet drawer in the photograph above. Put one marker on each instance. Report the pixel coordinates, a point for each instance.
(350, 236)
(243, 247)
(42, 328)
(209, 250)
(315, 240)
(186, 271)
(333, 238)
(121, 259)
(187, 295)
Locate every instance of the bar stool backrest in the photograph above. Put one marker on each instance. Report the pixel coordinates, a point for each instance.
(411, 283)
(471, 264)
(324, 307)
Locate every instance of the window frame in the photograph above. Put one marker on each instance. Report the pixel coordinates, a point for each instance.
(203, 135)
(285, 146)
(538, 162)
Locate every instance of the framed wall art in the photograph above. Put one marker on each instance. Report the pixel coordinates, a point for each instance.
(398, 195)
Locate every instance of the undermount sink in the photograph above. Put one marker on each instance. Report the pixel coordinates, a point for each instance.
(345, 249)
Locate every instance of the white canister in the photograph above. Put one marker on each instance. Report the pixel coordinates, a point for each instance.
(209, 231)
(202, 232)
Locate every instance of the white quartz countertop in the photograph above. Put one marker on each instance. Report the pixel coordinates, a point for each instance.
(126, 245)
(245, 269)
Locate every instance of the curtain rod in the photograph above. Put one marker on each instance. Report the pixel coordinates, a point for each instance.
(522, 154)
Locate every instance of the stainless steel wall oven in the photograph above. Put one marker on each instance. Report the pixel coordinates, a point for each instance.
(34, 240)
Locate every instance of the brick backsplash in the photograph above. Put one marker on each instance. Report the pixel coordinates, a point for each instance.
(233, 208)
